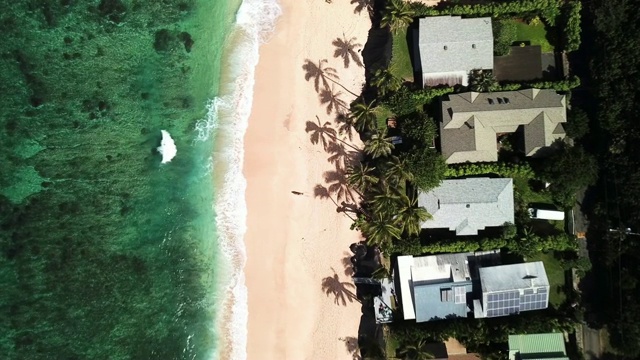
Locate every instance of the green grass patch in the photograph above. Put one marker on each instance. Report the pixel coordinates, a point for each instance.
(382, 114)
(536, 34)
(556, 276)
(391, 345)
(400, 65)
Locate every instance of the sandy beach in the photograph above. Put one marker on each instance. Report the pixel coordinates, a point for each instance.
(300, 290)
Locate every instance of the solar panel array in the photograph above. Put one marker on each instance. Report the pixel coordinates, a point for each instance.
(511, 302)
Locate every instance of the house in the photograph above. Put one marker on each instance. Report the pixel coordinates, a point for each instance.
(472, 121)
(537, 346)
(438, 286)
(468, 205)
(511, 289)
(450, 47)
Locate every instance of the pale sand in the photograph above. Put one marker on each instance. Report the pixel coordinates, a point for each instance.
(296, 241)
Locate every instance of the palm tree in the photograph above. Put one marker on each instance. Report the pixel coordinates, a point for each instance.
(396, 15)
(361, 177)
(332, 98)
(320, 133)
(385, 201)
(319, 73)
(416, 351)
(364, 116)
(482, 81)
(380, 230)
(410, 216)
(346, 49)
(396, 170)
(385, 81)
(379, 145)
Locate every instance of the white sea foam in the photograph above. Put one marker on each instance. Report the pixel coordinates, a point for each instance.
(228, 117)
(167, 147)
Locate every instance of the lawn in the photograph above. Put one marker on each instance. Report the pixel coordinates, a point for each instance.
(382, 114)
(400, 65)
(556, 276)
(535, 34)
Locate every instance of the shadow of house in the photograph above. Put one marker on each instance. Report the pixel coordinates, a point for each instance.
(522, 64)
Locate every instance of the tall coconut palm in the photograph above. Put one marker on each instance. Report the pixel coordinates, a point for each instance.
(482, 81)
(417, 351)
(385, 81)
(331, 97)
(396, 170)
(410, 216)
(386, 201)
(396, 15)
(380, 230)
(379, 145)
(364, 115)
(361, 177)
(347, 50)
(321, 133)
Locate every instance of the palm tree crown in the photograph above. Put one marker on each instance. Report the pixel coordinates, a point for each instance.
(396, 171)
(396, 15)
(380, 230)
(385, 81)
(482, 81)
(364, 116)
(347, 50)
(410, 216)
(379, 145)
(361, 177)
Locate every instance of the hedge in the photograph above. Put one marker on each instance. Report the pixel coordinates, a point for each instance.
(561, 85)
(549, 10)
(572, 28)
(502, 169)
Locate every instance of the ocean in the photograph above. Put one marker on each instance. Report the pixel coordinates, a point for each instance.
(105, 253)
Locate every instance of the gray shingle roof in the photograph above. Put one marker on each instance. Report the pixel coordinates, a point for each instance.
(480, 116)
(513, 277)
(450, 46)
(468, 205)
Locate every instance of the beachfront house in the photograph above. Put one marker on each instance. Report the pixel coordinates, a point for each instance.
(447, 286)
(512, 289)
(537, 346)
(471, 123)
(438, 286)
(469, 205)
(450, 47)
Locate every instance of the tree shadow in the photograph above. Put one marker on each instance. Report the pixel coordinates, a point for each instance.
(331, 98)
(345, 124)
(362, 5)
(320, 73)
(347, 262)
(351, 344)
(338, 185)
(320, 133)
(343, 291)
(347, 50)
(340, 156)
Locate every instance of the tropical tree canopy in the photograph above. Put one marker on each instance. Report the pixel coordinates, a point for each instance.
(410, 216)
(361, 177)
(379, 145)
(385, 81)
(396, 171)
(380, 230)
(417, 351)
(482, 81)
(364, 116)
(396, 15)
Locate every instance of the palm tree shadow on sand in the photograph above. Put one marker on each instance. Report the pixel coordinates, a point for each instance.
(333, 100)
(351, 344)
(363, 5)
(347, 262)
(342, 291)
(347, 49)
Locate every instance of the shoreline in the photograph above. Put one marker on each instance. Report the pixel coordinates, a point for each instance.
(297, 268)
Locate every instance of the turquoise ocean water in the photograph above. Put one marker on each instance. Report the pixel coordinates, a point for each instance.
(104, 252)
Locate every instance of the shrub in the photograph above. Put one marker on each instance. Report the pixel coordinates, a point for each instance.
(505, 33)
(427, 166)
(577, 124)
(418, 128)
(501, 169)
(404, 101)
(571, 35)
